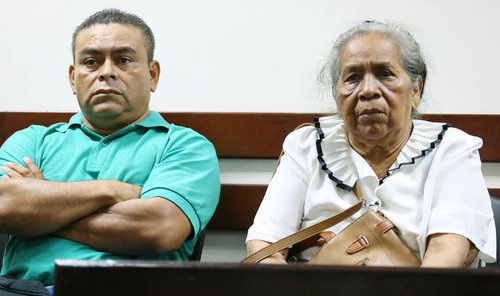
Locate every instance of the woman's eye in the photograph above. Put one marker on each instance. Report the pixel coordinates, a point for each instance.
(386, 73)
(352, 78)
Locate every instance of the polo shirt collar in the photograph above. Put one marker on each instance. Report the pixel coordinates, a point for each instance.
(75, 120)
(154, 119)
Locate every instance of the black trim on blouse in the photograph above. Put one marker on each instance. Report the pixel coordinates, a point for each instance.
(340, 183)
(322, 162)
(422, 154)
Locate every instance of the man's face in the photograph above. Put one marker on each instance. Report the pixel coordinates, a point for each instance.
(111, 76)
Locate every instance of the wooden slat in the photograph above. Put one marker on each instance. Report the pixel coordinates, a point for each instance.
(243, 135)
(237, 207)
(10, 122)
(239, 203)
(494, 192)
(260, 135)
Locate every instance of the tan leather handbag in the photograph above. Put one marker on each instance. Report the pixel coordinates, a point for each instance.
(370, 240)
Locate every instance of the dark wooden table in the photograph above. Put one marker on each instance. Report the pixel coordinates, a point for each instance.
(75, 277)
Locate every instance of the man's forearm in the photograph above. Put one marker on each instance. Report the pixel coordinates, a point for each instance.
(31, 207)
(134, 227)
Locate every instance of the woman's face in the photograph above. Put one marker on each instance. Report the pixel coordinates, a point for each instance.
(375, 95)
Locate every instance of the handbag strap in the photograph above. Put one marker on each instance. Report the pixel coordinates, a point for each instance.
(306, 232)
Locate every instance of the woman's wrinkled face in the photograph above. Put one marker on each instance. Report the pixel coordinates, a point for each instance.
(375, 95)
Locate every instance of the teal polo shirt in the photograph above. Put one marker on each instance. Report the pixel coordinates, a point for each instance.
(168, 161)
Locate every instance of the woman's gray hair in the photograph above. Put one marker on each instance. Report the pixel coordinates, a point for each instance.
(411, 57)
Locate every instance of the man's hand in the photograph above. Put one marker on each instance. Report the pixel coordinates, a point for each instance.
(33, 207)
(133, 227)
(119, 191)
(123, 191)
(14, 170)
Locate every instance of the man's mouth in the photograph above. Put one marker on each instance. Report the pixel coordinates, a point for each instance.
(106, 91)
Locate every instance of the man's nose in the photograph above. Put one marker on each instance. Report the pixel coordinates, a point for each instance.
(369, 88)
(107, 71)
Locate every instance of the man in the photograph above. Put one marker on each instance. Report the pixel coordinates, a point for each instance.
(117, 181)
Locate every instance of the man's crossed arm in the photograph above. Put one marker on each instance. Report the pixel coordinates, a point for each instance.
(104, 214)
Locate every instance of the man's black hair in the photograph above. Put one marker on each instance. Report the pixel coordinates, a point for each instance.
(116, 16)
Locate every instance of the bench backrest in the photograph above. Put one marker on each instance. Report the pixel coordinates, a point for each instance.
(260, 135)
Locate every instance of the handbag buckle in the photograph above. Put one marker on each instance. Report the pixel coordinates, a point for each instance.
(364, 239)
(360, 244)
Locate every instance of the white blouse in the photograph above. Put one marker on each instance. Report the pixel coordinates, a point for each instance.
(434, 186)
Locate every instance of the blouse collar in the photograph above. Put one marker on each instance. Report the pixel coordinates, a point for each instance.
(344, 165)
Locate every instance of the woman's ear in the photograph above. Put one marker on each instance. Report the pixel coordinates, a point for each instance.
(417, 93)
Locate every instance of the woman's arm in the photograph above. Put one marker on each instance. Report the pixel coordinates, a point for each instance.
(277, 258)
(449, 250)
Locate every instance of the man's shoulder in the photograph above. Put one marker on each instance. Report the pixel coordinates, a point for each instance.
(36, 130)
(185, 135)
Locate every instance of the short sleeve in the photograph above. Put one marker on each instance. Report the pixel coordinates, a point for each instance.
(282, 208)
(188, 176)
(21, 144)
(461, 203)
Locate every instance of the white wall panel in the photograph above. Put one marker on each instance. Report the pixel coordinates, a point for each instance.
(257, 56)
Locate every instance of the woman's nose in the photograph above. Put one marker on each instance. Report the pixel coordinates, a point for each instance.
(369, 88)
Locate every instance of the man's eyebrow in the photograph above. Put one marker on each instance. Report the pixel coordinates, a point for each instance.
(95, 51)
(89, 51)
(124, 49)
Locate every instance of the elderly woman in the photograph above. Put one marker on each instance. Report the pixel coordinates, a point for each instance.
(425, 177)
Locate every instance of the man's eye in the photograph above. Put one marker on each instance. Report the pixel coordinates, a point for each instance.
(90, 62)
(124, 60)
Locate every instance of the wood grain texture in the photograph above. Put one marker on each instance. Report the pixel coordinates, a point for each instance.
(494, 192)
(237, 207)
(260, 135)
(239, 203)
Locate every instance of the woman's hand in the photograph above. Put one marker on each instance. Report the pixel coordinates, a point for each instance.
(277, 258)
(449, 250)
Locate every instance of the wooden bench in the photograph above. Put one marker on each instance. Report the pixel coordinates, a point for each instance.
(259, 135)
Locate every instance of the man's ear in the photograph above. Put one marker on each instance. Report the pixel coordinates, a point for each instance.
(417, 93)
(154, 73)
(71, 76)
